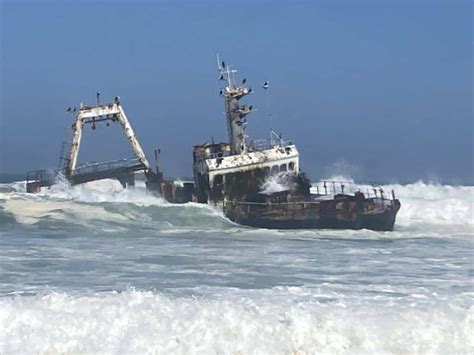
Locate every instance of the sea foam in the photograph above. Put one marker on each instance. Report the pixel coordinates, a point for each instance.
(426, 209)
(385, 297)
(147, 322)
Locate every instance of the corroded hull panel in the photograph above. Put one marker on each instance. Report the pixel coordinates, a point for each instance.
(310, 215)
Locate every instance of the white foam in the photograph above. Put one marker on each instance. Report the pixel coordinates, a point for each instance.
(442, 209)
(145, 322)
(103, 191)
(276, 183)
(427, 209)
(107, 190)
(76, 204)
(30, 212)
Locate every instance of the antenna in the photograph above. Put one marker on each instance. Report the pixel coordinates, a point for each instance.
(226, 72)
(218, 62)
(265, 87)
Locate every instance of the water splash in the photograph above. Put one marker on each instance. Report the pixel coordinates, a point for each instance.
(256, 322)
(277, 183)
(427, 209)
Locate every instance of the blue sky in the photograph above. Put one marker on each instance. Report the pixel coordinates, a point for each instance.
(380, 90)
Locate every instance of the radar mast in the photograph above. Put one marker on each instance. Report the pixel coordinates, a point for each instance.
(235, 113)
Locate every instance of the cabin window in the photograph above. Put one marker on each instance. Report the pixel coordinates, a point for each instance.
(283, 167)
(275, 169)
(291, 166)
(218, 179)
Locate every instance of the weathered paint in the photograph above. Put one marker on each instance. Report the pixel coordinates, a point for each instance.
(235, 113)
(222, 169)
(103, 112)
(253, 160)
(344, 212)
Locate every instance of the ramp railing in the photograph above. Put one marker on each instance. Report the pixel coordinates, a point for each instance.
(95, 167)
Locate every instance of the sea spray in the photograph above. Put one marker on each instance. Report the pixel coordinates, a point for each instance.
(98, 269)
(427, 209)
(103, 191)
(277, 183)
(147, 322)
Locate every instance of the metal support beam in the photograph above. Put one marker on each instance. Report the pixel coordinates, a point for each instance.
(87, 115)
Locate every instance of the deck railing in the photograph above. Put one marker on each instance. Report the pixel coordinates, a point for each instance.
(44, 177)
(204, 156)
(264, 144)
(334, 187)
(254, 207)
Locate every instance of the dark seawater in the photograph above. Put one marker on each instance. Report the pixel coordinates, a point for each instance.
(95, 268)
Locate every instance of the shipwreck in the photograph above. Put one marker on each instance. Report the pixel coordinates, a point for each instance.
(123, 170)
(232, 175)
(229, 175)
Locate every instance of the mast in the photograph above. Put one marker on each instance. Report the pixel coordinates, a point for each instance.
(235, 113)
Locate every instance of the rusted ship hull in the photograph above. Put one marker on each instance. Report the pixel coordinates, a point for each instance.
(310, 215)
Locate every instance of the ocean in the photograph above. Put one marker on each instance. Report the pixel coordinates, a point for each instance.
(98, 269)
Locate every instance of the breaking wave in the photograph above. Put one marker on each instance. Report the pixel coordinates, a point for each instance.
(444, 209)
(104, 205)
(207, 285)
(91, 192)
(427, 209)
(257, 323)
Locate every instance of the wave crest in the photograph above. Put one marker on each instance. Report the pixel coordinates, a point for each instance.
(146, 322)
(427, 209)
